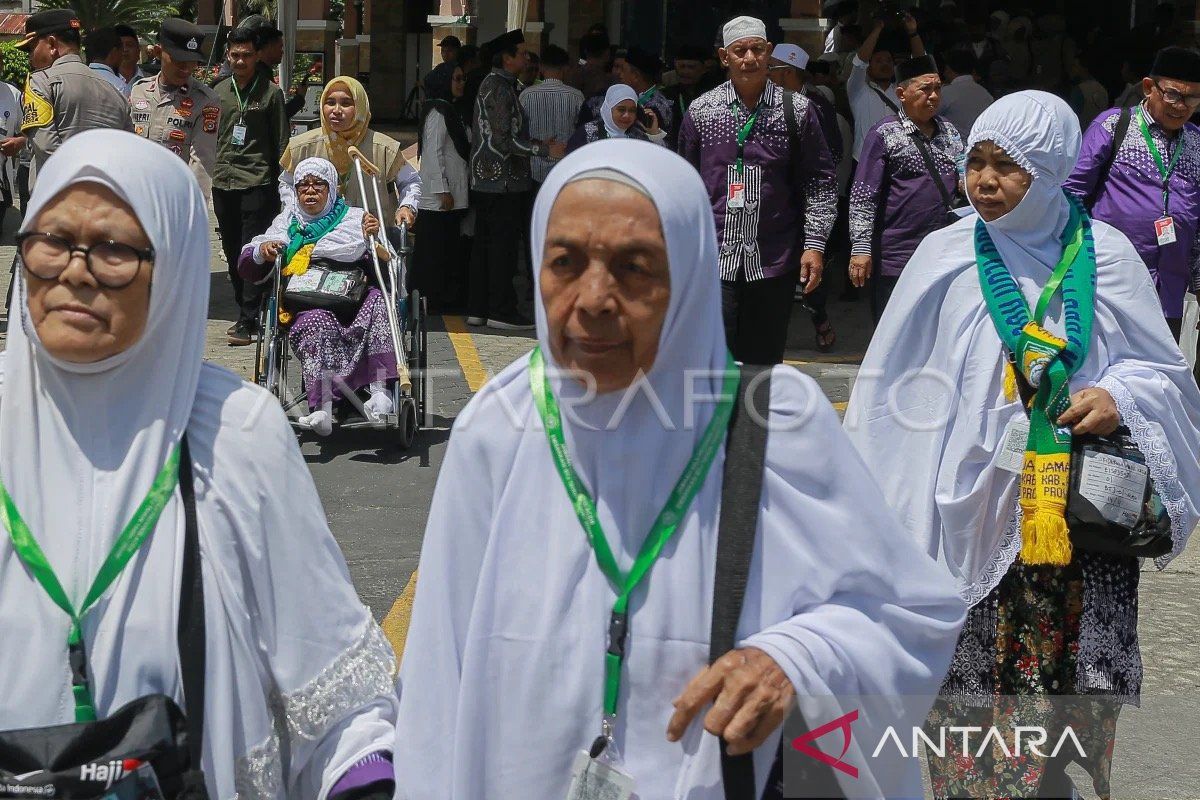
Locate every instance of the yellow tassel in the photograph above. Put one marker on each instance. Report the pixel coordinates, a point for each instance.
(299, 263)
(284, 317)
(1045, 539)
(1010, 382)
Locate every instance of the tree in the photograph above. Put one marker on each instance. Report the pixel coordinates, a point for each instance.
(268, 8)
(143, 16)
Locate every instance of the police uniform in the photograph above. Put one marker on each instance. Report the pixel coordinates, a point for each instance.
(184, 119)
(67, 97)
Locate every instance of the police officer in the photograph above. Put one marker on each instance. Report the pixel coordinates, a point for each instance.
(63, 97)
(173, 108)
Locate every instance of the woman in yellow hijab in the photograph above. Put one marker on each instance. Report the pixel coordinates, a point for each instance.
(345, 121)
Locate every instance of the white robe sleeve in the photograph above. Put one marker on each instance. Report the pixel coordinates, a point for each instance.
(326, 660)
(408, 188)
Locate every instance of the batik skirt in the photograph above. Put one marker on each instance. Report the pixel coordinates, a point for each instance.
(340, 355)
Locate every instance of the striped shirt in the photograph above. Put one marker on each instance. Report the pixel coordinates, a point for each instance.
(551, 108)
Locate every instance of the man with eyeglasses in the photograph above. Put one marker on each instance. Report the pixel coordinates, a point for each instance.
(1138, 170)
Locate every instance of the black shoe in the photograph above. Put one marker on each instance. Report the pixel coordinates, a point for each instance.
(511, 323)
(242, 334)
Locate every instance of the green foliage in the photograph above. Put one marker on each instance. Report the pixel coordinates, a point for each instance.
(16, 63)
(144, 16)
(268, 8)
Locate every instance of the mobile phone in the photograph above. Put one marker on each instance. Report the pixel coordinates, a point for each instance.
(644, 117)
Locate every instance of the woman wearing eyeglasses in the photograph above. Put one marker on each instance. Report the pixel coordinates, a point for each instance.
(145, 492)
(1139, 170)
(439, 263)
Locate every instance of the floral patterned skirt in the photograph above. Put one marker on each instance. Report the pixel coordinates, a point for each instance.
(1068, 632)
(333, 353)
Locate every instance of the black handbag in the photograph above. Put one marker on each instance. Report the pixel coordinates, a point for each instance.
(1112, 506)
(146, 750)
(332, 285)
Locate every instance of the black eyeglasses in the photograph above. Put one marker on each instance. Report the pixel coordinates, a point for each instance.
(113, 264)
(1174, 96)
(314, 185)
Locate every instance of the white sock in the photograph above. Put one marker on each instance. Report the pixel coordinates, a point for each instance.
(380, 404)
(320, 421)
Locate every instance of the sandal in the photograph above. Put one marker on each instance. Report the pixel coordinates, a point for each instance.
(826, 337)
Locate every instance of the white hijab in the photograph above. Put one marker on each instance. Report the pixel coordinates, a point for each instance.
(510, 614)
(345, 242)
(616, 94)
(928, 411)
(289, 646)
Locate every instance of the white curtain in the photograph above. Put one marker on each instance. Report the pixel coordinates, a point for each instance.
(287, 24)
(517, 9)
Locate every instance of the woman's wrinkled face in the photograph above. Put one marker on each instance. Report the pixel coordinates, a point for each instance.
(995, 183)
(338, 110)
(313, 194)
(76, 318)
(624, 114)
(605, 281)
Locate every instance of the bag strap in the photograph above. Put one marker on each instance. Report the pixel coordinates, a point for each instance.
(741, 498)
(191, 634)
(886, 100)
(927, 157)
(789, 116)
(1118, 139)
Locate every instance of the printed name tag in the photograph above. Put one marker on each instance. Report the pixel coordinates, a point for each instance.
(239, 135)
(737, 195)
(596, 780)
(1012, 449)
(1116, 486)
(1164, 230)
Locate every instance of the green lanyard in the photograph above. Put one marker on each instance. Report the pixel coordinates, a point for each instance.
(127, 544)
(668, 520)
(743, 135)
(645, 96)
(1164, 170)
(243, 103)
(1060, 272)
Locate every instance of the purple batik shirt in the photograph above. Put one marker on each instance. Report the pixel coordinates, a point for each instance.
(790, 189)
(1132, 199)
(894, 203)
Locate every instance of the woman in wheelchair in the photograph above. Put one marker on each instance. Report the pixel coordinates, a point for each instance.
(343, 342)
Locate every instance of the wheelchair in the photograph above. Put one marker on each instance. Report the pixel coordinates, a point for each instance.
(410, 391)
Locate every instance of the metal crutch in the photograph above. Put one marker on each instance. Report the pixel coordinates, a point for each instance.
(362, 164)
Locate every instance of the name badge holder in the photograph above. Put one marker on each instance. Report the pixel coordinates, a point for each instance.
(1164, 226)
(735, 197)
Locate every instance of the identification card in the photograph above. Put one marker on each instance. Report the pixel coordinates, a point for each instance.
(239, 135)
(595, 780)
(1115, 486)
(737, 195)
(309, 281)
(1164, 230)
(1012, 449)
(141, 784)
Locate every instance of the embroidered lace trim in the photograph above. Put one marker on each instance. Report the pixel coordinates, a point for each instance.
(1002, 558)
(356, 677)
(258, 775)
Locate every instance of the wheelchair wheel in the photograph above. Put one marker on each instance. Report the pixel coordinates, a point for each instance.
(406, 429)
(417, 355)
(260, 365)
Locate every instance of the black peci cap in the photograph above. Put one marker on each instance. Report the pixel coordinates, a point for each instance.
(44, 23)
(644, 62)
(182, 40)
(914, 67)
(1179, 63)
(450, 41)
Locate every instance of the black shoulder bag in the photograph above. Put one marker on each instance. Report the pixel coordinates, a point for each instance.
(148, 749)
(328, 284)
(1119, 132)
(1112, 506)
(741, 496)
(887, 101)
(936, 177)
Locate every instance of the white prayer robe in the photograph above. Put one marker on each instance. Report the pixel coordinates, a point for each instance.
(502, 684)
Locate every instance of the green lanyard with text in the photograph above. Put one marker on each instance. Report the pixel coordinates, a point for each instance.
(743, 135)
(127, 545)
(645, 96)
(1164, 170)
(243, 103)
(664, 527)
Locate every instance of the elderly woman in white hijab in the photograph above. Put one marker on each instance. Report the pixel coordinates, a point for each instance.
(348, 346)
(951, 431)
(619, 120)
(105, 403)
(511, 614)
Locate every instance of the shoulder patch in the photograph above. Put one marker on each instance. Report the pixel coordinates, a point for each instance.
(36, 111)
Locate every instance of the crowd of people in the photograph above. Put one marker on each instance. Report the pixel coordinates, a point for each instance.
(1027, 253)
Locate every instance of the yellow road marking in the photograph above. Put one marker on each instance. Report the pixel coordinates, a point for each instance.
(464, 349)
(395, 624)
(840, 406)
(848, 358)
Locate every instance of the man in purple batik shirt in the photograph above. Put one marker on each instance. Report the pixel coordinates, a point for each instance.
(775, 206)
(1160, 215)
(894, 202)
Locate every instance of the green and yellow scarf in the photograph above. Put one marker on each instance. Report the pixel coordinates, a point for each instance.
(302, 238)
(1047, 363)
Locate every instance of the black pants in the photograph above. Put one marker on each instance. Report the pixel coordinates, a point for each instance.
(881, 287)
(490, 292)
(756, 316)
(243, 214)
(439, 268)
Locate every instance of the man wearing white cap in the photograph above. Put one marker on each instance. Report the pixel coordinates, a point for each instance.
(769, 175)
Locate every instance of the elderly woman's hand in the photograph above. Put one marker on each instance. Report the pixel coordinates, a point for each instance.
(750, 694)
(406, 216)
(269, 251)
(1092, 411)
(370, 226)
